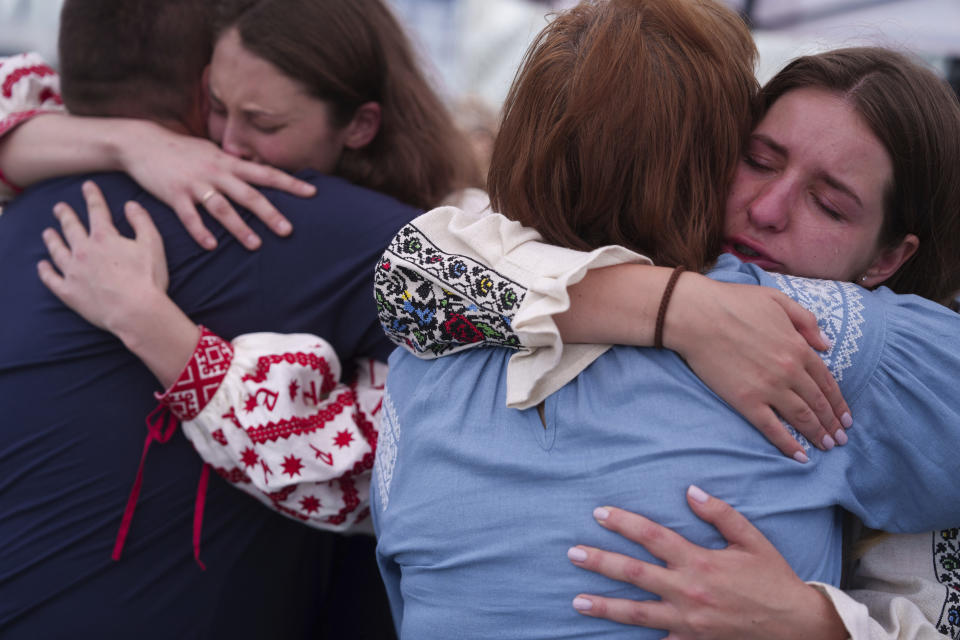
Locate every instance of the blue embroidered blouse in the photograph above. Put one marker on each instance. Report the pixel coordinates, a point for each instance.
(475, 504)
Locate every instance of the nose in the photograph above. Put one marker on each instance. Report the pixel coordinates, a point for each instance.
(234, 141)
(769, 209)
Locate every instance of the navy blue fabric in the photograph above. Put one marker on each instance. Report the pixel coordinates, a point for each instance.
(72, 409)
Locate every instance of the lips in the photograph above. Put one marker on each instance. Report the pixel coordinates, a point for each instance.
(749, 252)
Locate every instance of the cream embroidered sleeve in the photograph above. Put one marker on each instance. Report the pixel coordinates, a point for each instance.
(455, 279)
(28, 87)
(906, 587)
(269, 414)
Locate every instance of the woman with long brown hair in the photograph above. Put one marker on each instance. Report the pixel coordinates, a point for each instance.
(341, 92)
(859, 115)
(328, 86)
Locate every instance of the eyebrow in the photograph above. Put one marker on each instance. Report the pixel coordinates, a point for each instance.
(830, 180)
(839, 186)
(248, 112)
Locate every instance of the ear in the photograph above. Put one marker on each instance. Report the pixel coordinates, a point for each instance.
(889, 260)
(363, 126)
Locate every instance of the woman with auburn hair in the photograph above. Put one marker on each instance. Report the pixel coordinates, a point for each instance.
(897, 224)
(473, 503)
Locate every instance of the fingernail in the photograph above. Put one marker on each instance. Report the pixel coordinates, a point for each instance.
(576, 554)
(251, 241)
(801, 457)
(209, 242)
(828, 442)
(601, 513)
(582, 604)
(697, 494)
(826, 340)
(841, 437)
(846, 420)
(283, 228)
(59, 207)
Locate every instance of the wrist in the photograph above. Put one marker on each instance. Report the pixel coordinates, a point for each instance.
(821, 619)
(684, 315)
(122, 140)
(159, 333)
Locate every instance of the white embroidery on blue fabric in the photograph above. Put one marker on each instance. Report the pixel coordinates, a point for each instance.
(838, 307)
(387, 446)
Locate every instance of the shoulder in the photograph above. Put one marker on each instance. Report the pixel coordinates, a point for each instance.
(339, 198)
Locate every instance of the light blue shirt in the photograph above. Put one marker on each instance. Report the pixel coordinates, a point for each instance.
(475, 505)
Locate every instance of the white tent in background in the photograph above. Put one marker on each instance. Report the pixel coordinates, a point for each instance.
(787, 28)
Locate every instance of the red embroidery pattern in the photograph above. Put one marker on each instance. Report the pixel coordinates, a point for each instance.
(343, 439)
(292, 465)
(219, 436)
(310, 360)
(15, 77)
(310, 504)
(297, 425)
(282, 494)
(351, 500)
(323, 455)
(367, 430)
(234, 475)
(201, 377)
(249, 457)
(50, 94)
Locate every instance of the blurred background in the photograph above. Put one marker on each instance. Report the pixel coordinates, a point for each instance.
(473, 47)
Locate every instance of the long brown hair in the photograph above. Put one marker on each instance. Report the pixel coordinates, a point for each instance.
(349, 52)
(624, 126)
(916, 117)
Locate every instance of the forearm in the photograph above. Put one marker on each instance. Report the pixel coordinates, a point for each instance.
(52, 145)
(629, 296)
(159, 333)
(268, 414)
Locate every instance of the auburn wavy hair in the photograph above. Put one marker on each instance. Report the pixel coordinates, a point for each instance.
(624, 126)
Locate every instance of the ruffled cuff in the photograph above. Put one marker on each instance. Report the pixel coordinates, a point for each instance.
(282, 429)
(454, 280)
(200, 378)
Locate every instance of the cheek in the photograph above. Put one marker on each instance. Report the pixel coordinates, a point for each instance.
(737, 198)
(215, 125)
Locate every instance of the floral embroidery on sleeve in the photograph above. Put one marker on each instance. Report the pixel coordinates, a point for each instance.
(946, 551)
(435, 303)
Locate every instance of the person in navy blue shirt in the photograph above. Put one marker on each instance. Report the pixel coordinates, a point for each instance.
(74, 400)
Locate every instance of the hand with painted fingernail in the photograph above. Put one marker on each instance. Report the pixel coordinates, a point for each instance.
(742, 592)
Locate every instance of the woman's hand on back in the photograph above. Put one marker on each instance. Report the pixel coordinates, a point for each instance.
(119, 284)
(185, 171)
(742, 592)
(751, 346)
